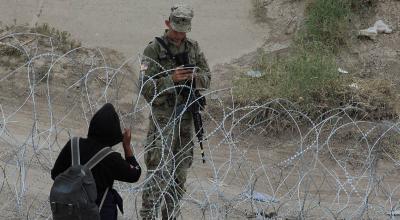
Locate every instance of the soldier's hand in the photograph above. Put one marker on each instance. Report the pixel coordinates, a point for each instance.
(181, 74)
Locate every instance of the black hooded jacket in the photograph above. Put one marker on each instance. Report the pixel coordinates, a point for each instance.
(104, 131)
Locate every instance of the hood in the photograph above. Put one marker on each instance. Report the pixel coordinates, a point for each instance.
(105, 127)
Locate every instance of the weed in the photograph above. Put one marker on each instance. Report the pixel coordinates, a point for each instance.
(328, 22)
(308, 77)
(62, 39)
(7, 50)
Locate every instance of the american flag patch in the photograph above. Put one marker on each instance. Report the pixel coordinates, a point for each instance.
(144, 66)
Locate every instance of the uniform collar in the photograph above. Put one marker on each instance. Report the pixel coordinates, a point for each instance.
(168, 41)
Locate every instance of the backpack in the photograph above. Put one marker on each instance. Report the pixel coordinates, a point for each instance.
(73, 194)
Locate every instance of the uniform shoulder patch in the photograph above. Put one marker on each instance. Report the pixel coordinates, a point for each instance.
(144, 65)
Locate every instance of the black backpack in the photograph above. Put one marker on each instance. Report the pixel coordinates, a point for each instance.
(73, 194)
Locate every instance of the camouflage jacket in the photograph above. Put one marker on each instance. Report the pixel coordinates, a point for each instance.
(156, 79)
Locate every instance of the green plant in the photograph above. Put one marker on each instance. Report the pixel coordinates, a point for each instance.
(248, 89)
(307, 77)
(308, 71)
(328, 22)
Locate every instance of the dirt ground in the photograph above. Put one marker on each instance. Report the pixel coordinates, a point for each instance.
(223, 28)
(324, 171)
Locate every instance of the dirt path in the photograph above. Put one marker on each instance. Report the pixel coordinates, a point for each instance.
(223, 28)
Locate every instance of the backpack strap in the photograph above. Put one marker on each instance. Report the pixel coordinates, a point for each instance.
(164, 45)
(104, 198)
(94, 161)
(98, 157)
(75, 156)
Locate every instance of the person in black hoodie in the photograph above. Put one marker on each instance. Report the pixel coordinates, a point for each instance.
(104, 131)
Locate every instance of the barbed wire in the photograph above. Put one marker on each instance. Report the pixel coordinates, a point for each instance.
(263, 161)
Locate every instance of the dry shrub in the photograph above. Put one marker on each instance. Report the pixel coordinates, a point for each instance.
(376, 97)
(43, 69)
(7, 50)
(363, 143)
(61, 39)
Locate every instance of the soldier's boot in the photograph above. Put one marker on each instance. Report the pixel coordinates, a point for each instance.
(149, 212)
(150, 199)
(170, 209)
(172, 199)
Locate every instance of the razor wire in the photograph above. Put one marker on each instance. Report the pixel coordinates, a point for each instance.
(263, 160)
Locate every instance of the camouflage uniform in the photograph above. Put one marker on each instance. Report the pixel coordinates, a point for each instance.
(169, 147)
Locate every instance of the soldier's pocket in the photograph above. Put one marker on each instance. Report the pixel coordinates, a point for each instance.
(152, 156)
(192, 57)
(160, 100)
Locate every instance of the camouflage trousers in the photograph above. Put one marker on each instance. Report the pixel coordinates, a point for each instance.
(168, 156)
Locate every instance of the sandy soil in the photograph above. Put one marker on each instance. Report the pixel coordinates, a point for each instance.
(223, 28)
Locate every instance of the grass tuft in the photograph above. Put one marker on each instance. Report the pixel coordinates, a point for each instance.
(308, 77)
(62, 39)
(328, 22)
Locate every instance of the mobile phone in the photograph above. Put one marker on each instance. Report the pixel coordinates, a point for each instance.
(189, 66)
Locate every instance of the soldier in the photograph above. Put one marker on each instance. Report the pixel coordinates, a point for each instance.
(169, 147)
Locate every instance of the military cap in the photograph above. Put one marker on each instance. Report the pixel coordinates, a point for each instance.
(181, 17)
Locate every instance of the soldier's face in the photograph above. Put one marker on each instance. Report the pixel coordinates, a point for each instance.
(174, 35)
